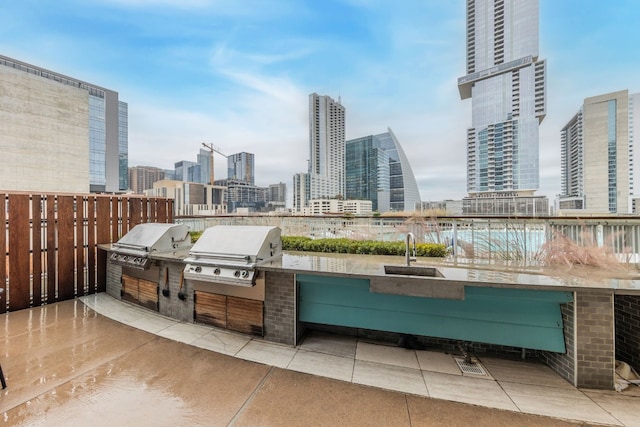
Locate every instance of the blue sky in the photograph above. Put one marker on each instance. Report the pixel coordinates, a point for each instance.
(238, 73)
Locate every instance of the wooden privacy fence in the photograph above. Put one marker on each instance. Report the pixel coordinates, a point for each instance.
(50, 242)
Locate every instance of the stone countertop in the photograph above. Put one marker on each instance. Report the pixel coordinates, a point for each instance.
(467, 272)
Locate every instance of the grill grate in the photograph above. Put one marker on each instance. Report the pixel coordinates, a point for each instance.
(470, 368)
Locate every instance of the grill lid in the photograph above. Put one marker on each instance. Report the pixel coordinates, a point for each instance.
(230, 254)
(134, 248)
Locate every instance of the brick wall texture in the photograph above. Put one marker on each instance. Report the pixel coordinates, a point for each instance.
(280, 316)
(627, 308)
(564, 363)
(595, 339)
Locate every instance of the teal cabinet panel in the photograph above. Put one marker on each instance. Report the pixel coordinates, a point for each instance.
(513, 317)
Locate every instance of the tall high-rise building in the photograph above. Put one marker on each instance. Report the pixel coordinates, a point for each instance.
(378, 170)
(278, 196)
(141, 178)
(634, 147)
(301, 192)
(326, 143)
(241, 167)
(123, 144)
(325, 176)
(58, 133)
(598, 155)
(203, 167)
(506, 82)
(198, 171)
(181, 169)
(367, 172)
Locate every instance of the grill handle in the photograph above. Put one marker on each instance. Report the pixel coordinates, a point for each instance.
(130, 246)
(220, 257)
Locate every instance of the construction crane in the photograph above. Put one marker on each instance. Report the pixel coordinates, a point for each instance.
(213, 149)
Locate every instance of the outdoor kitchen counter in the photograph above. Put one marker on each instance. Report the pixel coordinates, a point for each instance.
(592, 302)
(468, 273)
(482, 273)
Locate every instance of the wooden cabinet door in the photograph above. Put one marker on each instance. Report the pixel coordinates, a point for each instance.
(140, 291)
(148, 294)
(245, 315)
(211, 309)
(130, 289)
(237, 314)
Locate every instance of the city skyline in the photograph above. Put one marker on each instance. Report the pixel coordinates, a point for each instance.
(238, 75)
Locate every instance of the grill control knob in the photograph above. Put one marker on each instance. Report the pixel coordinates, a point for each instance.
(237, 273)
(245, 274)
(198, 269)
(216, 271)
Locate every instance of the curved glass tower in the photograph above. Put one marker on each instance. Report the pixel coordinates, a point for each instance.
(378, 170)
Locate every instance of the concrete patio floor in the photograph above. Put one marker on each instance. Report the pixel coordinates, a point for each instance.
(98, 361)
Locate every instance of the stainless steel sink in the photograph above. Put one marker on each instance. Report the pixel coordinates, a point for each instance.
(412, 270)
(416, 281)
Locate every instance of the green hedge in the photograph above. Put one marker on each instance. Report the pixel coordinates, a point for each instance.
(195, 235)
(347, 246)
(368, 247)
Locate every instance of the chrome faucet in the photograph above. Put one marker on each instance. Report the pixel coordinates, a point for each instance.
(407, 253)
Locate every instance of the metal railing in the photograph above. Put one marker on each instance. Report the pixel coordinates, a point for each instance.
(495, 238)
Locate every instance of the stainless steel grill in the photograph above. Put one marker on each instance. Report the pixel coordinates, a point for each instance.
(135, 247)
(230, 254)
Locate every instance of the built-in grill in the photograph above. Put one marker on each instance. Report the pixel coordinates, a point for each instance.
(135, 247)
(230, 254)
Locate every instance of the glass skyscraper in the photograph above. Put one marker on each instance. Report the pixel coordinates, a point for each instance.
(241, 167)
(123, 144)
(506, 82)
(378, 170)
(367, 172)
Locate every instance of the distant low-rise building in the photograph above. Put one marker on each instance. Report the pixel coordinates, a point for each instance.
(241, 194)
(508, 203)
(444, 207)
(190, 198)
(338, 206)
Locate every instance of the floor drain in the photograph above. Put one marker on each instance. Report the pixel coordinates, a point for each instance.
(470, 368)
